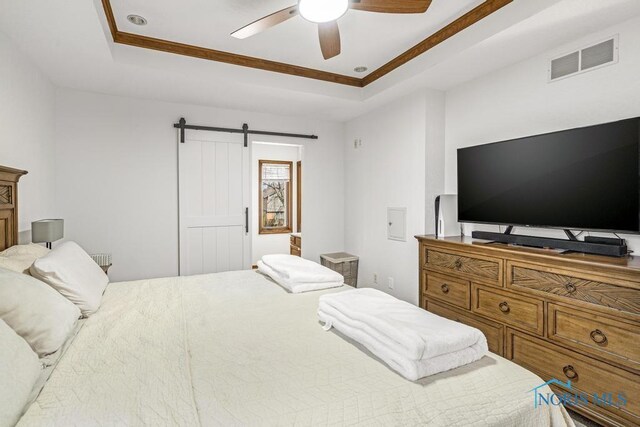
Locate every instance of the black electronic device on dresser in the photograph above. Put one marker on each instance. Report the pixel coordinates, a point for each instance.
(579, 179)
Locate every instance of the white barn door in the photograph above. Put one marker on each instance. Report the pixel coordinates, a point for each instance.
(214, 196)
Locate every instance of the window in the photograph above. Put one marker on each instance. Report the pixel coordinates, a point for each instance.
(275, 196)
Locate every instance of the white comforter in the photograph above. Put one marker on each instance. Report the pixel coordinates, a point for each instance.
(236, 349)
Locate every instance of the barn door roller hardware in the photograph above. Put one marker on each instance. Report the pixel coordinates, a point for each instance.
(182, 125)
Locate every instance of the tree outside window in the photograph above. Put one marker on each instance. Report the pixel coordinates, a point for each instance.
(275, 196)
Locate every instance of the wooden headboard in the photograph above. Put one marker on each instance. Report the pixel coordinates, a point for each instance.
(9, 178)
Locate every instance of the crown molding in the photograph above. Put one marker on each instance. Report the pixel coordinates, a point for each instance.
(465, 21)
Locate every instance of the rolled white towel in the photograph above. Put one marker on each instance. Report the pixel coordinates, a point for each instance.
(294, 287)
(299, 270)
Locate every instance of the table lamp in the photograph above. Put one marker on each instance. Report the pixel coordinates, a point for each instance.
(47, 231)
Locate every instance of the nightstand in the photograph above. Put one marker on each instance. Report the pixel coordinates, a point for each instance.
(103, 260)
(345, 264)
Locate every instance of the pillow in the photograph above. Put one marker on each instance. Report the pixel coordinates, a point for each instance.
(20, 257)
(31, 249)
(19, 371)
(37, 313)
(72, 272)
(19, 264)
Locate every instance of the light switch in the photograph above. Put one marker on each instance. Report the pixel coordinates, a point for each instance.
(397, 224)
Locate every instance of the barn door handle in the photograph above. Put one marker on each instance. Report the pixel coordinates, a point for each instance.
(246, 220)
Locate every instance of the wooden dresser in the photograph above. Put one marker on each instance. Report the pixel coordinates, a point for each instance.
(565, 316)
(295, 244)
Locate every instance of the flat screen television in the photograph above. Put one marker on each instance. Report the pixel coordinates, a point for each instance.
(581, 179)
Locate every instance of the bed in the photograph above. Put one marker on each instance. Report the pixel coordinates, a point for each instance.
(236, 349)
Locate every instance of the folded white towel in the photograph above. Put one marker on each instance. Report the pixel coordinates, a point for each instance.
(412, 341)
(294, 287)
(416, 333)
(299, 270)
(409, 369)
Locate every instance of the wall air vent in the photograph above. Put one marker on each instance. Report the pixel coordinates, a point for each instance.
(565, 65)
(589, 58)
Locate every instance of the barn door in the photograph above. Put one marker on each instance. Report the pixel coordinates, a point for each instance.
(214, 174)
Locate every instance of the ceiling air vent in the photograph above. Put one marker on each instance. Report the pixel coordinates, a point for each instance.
(586, 59)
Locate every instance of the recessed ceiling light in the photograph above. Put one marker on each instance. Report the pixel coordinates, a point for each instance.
(360, 69)
(137, 20)
(320, 11)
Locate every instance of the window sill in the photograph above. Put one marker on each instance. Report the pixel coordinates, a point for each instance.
(276, 231)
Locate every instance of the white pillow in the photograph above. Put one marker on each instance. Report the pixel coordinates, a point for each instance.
(19, 264)
(30, 249)
(37, 313)
(19, 371)
(72, 272)
(20, 257)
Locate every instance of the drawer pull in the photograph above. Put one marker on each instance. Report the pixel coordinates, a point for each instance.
(570, 287)
(569, 372)
(458, 264)
(504, 307)
(444, 288)
(598, 336)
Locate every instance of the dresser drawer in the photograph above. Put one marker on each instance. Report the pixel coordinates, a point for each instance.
(476, 268)
(450, 290)
(493, 331)
(602, 336)
(507, 307)
(587, 376)
(548, 281)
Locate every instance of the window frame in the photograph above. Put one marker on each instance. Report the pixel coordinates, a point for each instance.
(289, 201)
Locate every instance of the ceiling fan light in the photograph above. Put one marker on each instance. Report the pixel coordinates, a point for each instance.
(320, 11)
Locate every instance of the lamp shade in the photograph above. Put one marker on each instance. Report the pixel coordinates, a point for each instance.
(47, 230)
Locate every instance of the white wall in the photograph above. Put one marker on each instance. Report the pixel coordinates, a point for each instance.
(264, 244)
(27, 124)
(518, 101)
(116, 181)
(390, 169)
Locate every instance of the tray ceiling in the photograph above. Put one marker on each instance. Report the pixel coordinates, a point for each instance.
(71, 43)
(380, 42)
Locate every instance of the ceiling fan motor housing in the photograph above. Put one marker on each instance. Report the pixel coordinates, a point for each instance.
(321, 11)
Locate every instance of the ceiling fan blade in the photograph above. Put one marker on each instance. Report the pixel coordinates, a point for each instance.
(266, 22)
(329, 35)
(391, 6)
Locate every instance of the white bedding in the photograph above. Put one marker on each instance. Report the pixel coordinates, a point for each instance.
(236, 349)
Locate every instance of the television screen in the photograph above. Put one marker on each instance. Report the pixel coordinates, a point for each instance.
(585, 179)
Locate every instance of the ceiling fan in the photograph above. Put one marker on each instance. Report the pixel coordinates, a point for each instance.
(325, 13)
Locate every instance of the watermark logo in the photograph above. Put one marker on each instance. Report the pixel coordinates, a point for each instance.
(543, 396)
